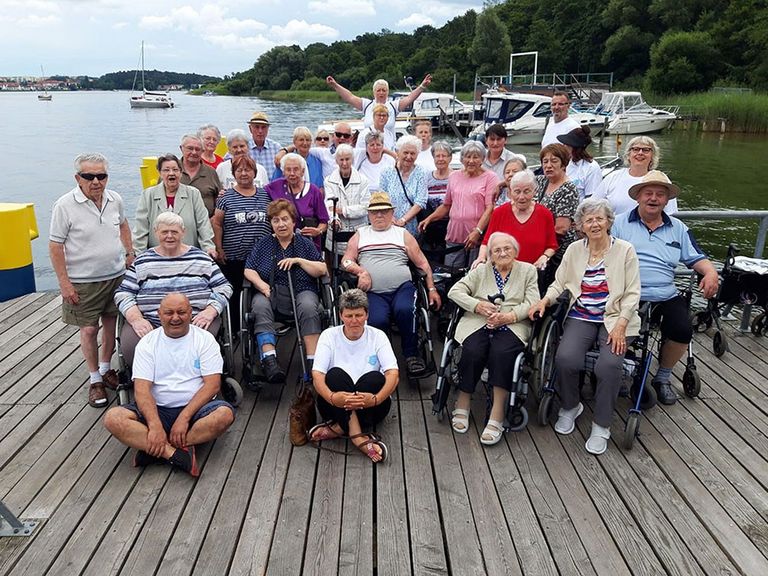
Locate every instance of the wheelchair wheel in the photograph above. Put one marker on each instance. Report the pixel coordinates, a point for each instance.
(758, 325)
(631, 430)
(648, 399)
(517, 418)
(546, 404)
(702, 322)
(231, 391)
(691, 382)
(719, 343)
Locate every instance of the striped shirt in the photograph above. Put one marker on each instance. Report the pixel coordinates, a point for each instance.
(382, 254)
(153, 276)
(245, 222)
(590, 305)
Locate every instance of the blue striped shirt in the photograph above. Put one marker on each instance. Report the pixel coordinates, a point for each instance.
(245, 222)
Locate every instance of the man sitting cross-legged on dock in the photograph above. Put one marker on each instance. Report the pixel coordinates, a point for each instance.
(177, 371)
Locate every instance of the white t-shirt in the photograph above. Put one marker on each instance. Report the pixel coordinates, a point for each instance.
(616, 190)
(227, 179)
(176, 366)
(392, 105)
(555, 129)
(426, 160)
(370, 170)
(389, 139)
(587, 177)
(372, 352)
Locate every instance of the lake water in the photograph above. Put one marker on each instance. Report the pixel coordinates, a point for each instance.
(42, 139)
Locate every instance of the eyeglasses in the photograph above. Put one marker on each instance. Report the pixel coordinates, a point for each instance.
(169, 170)
(382, 114)
(643, 149)
(502, 250)
(192, 148)
(322, 138)
(87, 176)
(342, 135)
(596, 220)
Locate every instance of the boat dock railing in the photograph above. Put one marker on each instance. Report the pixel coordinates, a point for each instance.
(761, 215)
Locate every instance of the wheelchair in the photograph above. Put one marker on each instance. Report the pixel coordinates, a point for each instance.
(231, 391)
(516, 416)
(635, 370)
(253, 379)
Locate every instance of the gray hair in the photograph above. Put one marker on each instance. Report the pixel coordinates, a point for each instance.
(293, 156)
(191, 137)
(592, 206)
(522, 178)
(380, 82)
(302, 131)
(207, 127)
(496, 236)
(519, 159)
(441, 145)
(168, 219)
(408, 140)
(472, 148)
(353, 299)
(374, 135)
(236, 135)
(344, 149)
(93, 157)
(643, 141)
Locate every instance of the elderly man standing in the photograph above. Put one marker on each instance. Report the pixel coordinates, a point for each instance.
(378, 255)
(197, 173)
(176, 371)
(661, 243)
(90, 248)
(264, 149)
(559, 123)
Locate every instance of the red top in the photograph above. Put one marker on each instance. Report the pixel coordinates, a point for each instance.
(216, 161)
(534, 235)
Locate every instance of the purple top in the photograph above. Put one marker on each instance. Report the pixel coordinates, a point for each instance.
(310, 203)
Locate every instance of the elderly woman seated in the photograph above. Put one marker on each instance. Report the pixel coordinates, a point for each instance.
(496, 297)
(267, 268)
(602, 274)
(346, 190)
(171, 266)
(352, 394)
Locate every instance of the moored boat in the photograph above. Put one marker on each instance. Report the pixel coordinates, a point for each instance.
(628, 113)
(148, 98)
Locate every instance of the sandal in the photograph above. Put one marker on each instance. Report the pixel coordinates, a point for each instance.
(368, 447)
(492, 433)
(415, 365)
(324, 431)
(460, 420)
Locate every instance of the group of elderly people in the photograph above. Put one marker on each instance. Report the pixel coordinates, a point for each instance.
(213, 222)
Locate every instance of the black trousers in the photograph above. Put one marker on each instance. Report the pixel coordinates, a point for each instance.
(496, 350)
(338, 380)
(233, 271)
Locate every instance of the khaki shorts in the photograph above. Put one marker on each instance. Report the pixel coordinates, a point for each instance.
(96, 300)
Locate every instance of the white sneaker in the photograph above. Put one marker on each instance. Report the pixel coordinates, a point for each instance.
(566, 419)
(598, 440)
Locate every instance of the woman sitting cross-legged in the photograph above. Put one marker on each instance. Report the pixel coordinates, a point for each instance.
(496, 296)
(354, 374)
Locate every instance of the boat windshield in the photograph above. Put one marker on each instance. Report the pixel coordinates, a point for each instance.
(504, 110)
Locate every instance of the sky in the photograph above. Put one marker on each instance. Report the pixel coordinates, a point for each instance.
(94, 37)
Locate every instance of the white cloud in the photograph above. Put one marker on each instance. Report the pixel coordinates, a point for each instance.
(415, 20)
(300, 32)
(210, 19)
(119, 25)
(343, 8)
(29, 14)
(234, 42)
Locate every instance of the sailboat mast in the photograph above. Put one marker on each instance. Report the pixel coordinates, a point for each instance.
(143, 87)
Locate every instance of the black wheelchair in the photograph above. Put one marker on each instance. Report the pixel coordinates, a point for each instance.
(231, 391)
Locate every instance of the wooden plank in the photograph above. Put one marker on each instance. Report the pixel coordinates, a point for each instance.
(356, 547)
(12, 414)
(56, 332)
(734, 542)
(321, 555)
(18, 301)
(564, 543)
(20, 435)
(28, 328)
(22, 308)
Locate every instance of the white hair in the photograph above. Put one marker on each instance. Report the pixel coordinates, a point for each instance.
(293, 156)
(236, 135)
(380, 82)
(408, 140)
(169, 219)
(93, 157)
(344, 149)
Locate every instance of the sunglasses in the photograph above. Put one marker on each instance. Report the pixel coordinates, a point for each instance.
(87, 176)
(342, 135)
(323, 138)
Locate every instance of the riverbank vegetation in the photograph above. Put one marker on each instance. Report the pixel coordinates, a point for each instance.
(722, 110)
(664, 46)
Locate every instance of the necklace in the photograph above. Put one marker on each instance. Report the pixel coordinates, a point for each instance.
(595, 257)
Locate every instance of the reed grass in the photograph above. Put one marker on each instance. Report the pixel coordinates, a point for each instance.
(742, 112)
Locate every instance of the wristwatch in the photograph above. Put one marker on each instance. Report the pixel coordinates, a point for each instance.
(433, 289)
(347, 263)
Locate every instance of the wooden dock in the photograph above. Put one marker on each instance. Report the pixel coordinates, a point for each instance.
(690, 498)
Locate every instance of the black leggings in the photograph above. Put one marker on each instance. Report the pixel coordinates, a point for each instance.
(338, 380)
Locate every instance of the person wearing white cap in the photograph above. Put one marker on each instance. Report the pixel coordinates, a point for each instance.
(662, 242)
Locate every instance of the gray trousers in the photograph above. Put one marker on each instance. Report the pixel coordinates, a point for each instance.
(578, 338)
(307, 307)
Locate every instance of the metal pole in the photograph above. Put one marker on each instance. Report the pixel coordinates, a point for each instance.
(15, 526)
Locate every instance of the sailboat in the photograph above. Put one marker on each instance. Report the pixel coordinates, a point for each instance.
(44, 96)
(148, 98)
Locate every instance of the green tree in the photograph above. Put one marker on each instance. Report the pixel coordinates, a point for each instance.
(490, 46)
(277, 68)
(683, 62)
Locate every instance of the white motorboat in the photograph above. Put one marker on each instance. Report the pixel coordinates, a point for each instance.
(525, 116)
(148, 98)
(628, 113)
(433, 105)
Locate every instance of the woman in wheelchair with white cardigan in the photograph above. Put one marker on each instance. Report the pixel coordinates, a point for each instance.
(603, 276)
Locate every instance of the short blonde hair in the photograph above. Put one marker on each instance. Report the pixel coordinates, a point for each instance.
(169, 219)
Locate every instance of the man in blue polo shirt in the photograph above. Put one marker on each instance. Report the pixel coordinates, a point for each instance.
(661, 243)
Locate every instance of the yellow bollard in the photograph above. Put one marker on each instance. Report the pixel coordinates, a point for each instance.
(149, 174)
(222, 149)
(18, 227)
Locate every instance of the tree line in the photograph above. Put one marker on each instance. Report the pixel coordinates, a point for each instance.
(123, 80)
(666, 46)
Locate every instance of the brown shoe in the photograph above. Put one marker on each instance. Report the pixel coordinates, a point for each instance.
(110, 379)
(97, 395)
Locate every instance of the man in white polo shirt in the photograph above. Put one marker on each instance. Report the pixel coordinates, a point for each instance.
(90, 248)
(560, 123)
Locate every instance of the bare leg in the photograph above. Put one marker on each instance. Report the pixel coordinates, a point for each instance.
(210, 427)
(671, 352)
(90, 346)
(310, 343)
(125, 426)
(362, 442)
(500, 397)
(108, 327)
(463, 400)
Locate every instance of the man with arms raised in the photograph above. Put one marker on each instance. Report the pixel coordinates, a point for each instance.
(661, 243)
(90, 248)
(559, 123)
(177, 372)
